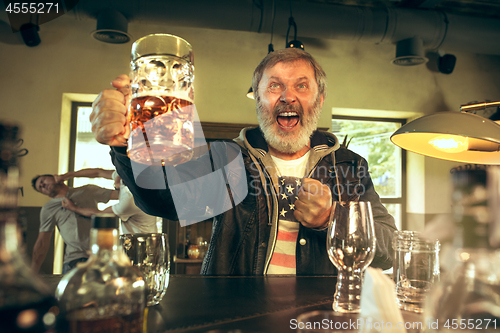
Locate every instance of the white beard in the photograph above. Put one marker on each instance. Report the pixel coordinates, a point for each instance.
(288, 142)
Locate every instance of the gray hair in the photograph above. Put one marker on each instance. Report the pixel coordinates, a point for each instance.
(288, 55)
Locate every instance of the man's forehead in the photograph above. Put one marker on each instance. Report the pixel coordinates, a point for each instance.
(298, 69)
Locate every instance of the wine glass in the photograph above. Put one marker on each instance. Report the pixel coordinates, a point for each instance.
(351, 247)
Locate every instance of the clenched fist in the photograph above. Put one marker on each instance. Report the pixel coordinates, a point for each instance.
(109, 113)
(314, 203)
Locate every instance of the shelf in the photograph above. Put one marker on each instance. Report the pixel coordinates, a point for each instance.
(187, 261)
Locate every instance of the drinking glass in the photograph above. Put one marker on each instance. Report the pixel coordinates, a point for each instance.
(150, 254)
(416, 268)
(161, 109)
(351, 247)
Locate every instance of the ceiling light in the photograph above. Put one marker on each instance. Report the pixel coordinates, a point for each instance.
(294, 43)
(111, 27)
(454, 136)
(410, 52)
(270, 48)
(250, 93)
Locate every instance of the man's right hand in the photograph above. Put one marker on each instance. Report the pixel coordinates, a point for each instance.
(60, 178)
(109, 113)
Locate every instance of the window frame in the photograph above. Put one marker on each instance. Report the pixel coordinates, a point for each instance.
(73, 136)
(390, 200)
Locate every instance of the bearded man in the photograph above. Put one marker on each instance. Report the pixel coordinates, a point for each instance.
(293, 174)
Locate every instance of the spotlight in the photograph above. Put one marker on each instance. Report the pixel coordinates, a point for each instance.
(446, 63)
(294, 43)
(29, 32)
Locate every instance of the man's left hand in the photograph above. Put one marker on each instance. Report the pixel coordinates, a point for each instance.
(314, 203)
(68, 204)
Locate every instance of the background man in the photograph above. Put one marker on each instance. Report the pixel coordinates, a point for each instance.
(74, 228)
(132, 218)
(270, 231)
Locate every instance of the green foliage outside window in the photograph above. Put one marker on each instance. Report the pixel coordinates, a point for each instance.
(370, 139)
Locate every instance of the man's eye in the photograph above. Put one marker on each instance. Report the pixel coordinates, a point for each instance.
(302, 86)
(275, 86)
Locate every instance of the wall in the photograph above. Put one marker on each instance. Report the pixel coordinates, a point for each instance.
(69, 60)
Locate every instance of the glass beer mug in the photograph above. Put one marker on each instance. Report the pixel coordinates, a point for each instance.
(161, 108)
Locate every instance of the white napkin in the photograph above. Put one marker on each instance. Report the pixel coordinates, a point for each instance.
(379, 308)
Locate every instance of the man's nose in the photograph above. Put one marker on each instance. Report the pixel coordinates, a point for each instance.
(287, 96)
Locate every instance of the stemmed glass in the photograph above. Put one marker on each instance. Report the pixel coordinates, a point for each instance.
(351, 247)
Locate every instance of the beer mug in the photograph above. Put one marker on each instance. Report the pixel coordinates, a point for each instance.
(161, 108)
(150, 254)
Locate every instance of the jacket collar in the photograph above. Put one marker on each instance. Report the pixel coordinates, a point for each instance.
(253, 140)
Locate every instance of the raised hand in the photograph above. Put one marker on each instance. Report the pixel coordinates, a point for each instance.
(109, 113)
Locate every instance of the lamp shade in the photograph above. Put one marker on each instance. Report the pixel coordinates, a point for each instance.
(111, 27)
(453, 136)
(250, 93)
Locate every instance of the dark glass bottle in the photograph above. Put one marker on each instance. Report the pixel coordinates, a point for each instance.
(26, 303)
(106, 294)
(468, 296)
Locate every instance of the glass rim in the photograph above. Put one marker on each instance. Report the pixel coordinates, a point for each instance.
(162, 35)
(183, 44)
(414, 236)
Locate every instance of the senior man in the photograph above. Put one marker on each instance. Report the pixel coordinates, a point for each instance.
(293, 173)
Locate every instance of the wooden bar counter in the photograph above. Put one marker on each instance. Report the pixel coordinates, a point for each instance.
(235, 304)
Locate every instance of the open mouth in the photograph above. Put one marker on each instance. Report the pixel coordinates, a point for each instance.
(288, 119)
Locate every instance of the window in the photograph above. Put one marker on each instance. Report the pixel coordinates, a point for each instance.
(86, 152)
(370, 138)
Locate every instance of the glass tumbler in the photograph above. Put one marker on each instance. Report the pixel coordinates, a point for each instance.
(150, 254)
(415, 269)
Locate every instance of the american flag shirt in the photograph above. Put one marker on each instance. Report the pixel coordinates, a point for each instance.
(290, 181)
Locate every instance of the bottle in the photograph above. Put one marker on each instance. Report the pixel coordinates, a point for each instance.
(106, 294)
(468, 296)
(26, 303)
(187, 242)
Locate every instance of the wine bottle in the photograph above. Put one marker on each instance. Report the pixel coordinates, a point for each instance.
(26, 303)
(106, 294)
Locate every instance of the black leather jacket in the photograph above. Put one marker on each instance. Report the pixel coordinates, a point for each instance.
(243, 237)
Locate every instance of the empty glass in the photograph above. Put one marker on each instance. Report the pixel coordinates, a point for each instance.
(150, 254)
(351, 247)
(416, 268)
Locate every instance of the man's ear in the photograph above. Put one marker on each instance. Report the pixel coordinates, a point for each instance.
(321, 100)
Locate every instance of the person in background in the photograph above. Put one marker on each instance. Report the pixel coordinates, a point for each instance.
(133, 219)
(293, 174)
(74, 228)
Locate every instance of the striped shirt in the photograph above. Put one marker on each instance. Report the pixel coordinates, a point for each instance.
(283, 256)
